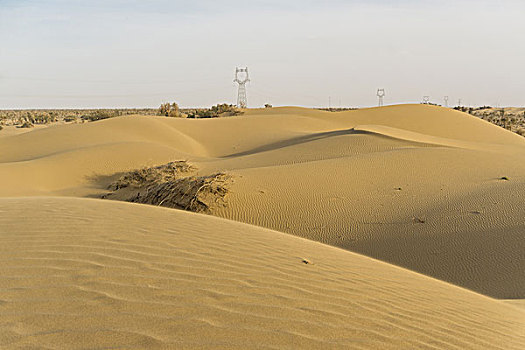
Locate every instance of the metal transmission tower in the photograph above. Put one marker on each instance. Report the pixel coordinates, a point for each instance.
(241, 78)
(446, 101)
(426, 99)
(380, 95)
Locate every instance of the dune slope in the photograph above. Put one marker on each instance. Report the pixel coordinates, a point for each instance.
(81, 273)
(426, 188)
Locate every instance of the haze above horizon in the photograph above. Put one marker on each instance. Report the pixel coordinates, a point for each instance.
(115, 53)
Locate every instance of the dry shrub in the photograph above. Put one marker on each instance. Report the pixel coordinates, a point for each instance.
(70, 118)
(148, 176)
(171, 185)
(93, 116)
(170, 110)
(27, 125)
(220, 110)
(197, 194)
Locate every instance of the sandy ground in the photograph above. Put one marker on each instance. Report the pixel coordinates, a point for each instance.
(10, 130)
(426, 188)
(80, 273)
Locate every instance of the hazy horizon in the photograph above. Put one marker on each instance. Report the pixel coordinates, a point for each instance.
(115, 53)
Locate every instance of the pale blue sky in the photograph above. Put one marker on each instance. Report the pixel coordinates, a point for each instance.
(115, 53)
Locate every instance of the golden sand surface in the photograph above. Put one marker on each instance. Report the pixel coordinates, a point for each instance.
(429, 189)
(84, 273)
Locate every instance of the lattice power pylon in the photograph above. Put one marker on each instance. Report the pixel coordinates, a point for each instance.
(380, 95)
(241, 78)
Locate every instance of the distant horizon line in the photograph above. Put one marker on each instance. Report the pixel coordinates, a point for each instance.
(260, 107)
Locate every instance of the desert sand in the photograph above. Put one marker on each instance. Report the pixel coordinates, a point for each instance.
(430, 199)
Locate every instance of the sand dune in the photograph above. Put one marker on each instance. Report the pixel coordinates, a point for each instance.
(426, 188)
(80, 273)
(417, 186)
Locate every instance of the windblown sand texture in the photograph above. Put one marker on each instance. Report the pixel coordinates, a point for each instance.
(425, 188)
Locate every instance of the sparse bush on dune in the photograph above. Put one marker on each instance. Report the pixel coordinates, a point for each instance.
(26, 125)
(226, 109)
(170, 110)
(337, 109)
(147, 176)
(70, 118)
(171, 185)
(164, 109)
(198, 194)
(1, 127)
(220, 110)
(100, 115)
(19, 117)
(36, 117)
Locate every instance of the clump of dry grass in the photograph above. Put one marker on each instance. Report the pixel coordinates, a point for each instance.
(172, 185)
(148, 176)
(26, 125)
(198, 194)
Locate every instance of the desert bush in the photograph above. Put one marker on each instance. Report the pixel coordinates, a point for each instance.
(174, 111)
(219, 110)
(100, 114)
(267, 105)
(70, 118)
(224, 108)
(164, 109)
(172, 185)
(337, 109)
(198, 194)
(170, 110)
(18, 117)
(27, 125)
(148, 176)
(481, 108)
(42, 118)
(464, 109)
